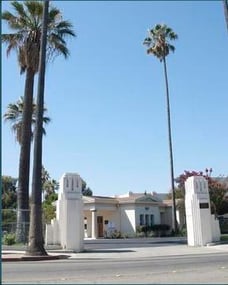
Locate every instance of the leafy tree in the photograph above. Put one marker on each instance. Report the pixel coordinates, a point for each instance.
(223, 209)
(86, 191)
(217, 190)
(9, 202)
(49, 186)
(25, 39)
(49, 210)
(14, 116)
(158, 44)
(9, 195)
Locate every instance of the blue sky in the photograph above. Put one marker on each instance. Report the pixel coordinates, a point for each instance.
(107, 101)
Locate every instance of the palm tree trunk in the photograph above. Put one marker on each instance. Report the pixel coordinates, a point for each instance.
(174, 220)
(24, 162)
(36, 240)
(225, 4)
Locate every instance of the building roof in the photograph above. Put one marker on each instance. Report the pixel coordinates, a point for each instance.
(129, 198)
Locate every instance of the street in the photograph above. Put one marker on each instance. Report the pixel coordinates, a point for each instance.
(161, 263)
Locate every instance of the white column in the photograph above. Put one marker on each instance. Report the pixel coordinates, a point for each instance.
(94, 223)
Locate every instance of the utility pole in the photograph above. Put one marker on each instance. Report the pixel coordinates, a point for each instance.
(225, 4)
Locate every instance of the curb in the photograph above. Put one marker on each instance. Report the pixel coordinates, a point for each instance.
(34, 258)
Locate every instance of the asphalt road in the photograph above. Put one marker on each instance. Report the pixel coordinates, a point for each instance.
(197, 268)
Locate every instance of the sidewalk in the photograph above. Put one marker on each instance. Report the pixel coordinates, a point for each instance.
(166, 249)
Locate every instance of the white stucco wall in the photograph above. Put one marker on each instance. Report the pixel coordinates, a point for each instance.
(127, 220)
(166, 216)
(147, 210)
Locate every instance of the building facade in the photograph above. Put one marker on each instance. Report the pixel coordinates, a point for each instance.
(123, 214)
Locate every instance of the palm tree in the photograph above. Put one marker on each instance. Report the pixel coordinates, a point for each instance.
(158, 45)
(36, 240)
(225, 4)
(26, 25)
(14, 116)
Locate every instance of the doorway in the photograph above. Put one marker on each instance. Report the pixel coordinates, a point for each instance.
(100, 226)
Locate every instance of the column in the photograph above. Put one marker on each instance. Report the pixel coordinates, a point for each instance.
(94, 223)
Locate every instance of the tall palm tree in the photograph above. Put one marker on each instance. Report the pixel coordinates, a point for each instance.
(225, 4)
(36, 240)
(14, 116)
(26, 25)
(158, 45)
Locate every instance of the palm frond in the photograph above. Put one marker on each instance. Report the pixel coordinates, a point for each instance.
(54, 14)
(171, 48)
(158, 41)
(8, 16)
(34, 8)
(19, 9)
(27, 22)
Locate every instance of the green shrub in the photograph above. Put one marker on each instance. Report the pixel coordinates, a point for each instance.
(182, 232)
(160, 229)
(9, 239)
(116, 234)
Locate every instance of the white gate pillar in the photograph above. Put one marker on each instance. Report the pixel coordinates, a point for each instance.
(198, 211)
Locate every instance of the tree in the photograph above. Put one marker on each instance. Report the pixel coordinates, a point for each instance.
(217, 190)
(9, 202)
(49, 210)
(86, 191)
(36, 240)
(158, 45)
(225, 5)
(14, 116)
(9, 195)
(26, 25)
(49, 187)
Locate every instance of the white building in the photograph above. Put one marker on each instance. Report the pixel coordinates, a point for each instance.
(103, 215)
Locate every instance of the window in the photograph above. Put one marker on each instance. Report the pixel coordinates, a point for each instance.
(151, 220)
(147, 219)
(85, 223)
(141, 220)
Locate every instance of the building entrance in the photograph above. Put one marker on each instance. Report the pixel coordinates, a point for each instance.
(100, 229)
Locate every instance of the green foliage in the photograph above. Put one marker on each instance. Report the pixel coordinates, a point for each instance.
(217, 190)
(48, 208)
(183, 232)
(223, 222)
(158, 41)
(14, 114)
(49, 187)
(86, 191)
(9, 239)
(156, 230)
(224, 238)
(8, 216)
(223, 207)
(9, 195)
(116, 234)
